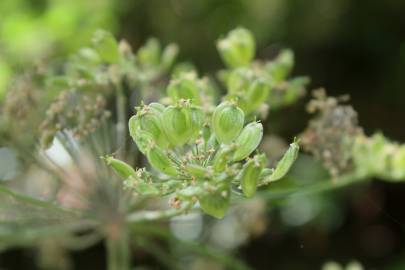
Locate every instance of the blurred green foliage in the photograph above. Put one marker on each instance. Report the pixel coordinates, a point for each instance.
(34, 30)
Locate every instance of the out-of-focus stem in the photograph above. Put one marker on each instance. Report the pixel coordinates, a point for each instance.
(117, 244)
(121, 119)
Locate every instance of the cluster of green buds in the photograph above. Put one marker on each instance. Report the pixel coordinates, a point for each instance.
(257, 85)
(199, 156)
(107, 61)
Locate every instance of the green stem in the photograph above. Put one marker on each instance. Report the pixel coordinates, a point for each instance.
(118, 252)
(121, 120)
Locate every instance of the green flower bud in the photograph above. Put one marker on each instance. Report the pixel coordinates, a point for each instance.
(227, 122)
(106, 46)
(216, 204)
(257, 94)
(159, 160)
(120, 167)
(184, 88)
(284, 165)
(248, 140)
(177, 124)
(249, 176)
(238, 48)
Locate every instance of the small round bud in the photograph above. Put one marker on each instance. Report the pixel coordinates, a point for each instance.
(159, 160)
(106, 46)
(248, 140)
(177, 124)
(238, 48)
(227, 122)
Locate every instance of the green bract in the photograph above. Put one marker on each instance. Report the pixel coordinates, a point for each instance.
(227, 122)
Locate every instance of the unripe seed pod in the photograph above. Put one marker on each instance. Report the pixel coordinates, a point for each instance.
(197, 170)
(257, 94)
(149, 54)
(239, 80)
(149, 120)
(142, 138)
(238, 48)
(106, 46)
(227, 122)
(169, 55)
(222, 158)
(184, 88)
(249, 176)
(284, 165)
(176, 122)
(157, 107)
(159, 160)
(248, 140)
(280, 67)
(120, 167)
(188, 193)
(197, 121)
(216, 204)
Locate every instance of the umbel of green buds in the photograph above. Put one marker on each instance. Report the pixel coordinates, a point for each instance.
(106, 46)
(227, 122)
(237, 48)
(198, 156)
